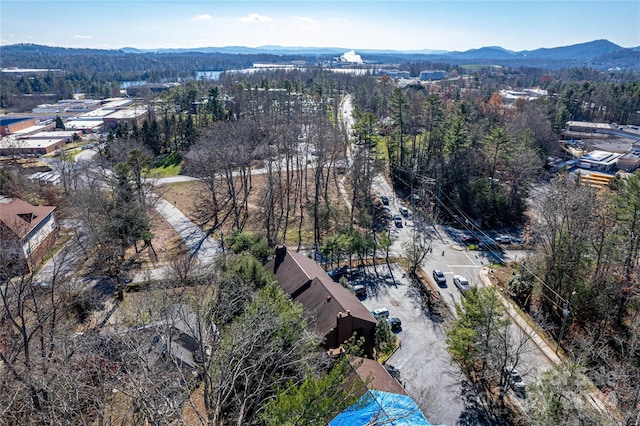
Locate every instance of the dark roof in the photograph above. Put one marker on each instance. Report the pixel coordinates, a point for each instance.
(375, 376)
(10, 121)
(20, 217)
(185, 321)
(307, 283)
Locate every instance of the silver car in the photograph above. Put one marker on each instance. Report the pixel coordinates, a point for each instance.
(461, 282)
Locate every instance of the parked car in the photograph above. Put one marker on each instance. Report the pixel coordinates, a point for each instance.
(336, 273)
(397, 220)
(470, 239)
(516, 380)
(380, 313)
(439, 277)
(381, 224)
(359, 290)
(404, 211)
(503, 239)
(385, 200)
(394, 323)
(461, 282)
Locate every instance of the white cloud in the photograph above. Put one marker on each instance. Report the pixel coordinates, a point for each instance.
(255, 17)
(306, 19)
(203, 17)
(82, 36)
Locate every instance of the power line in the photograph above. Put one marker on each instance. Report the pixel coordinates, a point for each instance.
(468, 220)
(465, 224)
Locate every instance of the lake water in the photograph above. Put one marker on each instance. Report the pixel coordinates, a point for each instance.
(208, 75)
(126, 84)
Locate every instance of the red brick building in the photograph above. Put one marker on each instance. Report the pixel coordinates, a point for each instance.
(12, 125)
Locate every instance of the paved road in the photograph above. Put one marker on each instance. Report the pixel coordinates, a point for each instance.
(86, 155)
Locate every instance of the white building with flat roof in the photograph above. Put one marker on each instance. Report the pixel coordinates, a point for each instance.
(14, 146)
(86, 125)
(66, 134)
(602, 161)
(116, 103)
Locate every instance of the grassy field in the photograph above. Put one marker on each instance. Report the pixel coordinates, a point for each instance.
(165, 171)
(169, 165)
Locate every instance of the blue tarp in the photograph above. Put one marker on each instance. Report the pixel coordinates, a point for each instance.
(376, 407)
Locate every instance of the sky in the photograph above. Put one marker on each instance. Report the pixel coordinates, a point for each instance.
(350, 24)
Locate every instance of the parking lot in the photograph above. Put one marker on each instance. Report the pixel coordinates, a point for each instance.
(422, 361)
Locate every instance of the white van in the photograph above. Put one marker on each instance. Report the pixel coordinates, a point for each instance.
(380, 313)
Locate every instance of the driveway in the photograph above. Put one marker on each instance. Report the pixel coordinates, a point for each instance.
(197, 241)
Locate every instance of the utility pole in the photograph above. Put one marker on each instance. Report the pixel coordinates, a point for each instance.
(438, 204)
(565, 315)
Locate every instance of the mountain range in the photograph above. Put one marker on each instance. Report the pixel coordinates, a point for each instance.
(597, 54)
(577, 51)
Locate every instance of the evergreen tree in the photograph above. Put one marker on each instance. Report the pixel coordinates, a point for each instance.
(59, 123)
(128, 220)
(316, 400)
(216, 104)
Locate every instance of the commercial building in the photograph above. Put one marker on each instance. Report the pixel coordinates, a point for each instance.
(594, 179)
(589, 130)
(40, 143)
(432, 75)
(510, 96)
(395, 73)
(112, 112)
(129, 116)
(11, 125)
(67, 105)
(67, 135)
(601, 161)
(629, 162)
(12, 146)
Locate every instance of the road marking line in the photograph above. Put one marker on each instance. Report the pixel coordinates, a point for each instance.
(469, 257)
(464, 266)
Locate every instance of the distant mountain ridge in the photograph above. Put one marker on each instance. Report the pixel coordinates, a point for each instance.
(598, 54)
(601, 54)
(576, 51)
